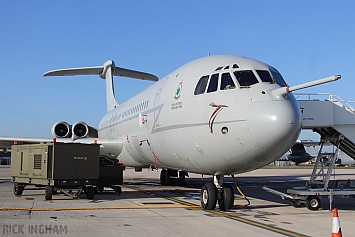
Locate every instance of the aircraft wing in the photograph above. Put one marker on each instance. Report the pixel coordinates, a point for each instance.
(7, 142)
(110, 147)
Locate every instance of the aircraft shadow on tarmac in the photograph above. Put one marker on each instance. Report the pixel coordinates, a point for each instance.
(250, 186)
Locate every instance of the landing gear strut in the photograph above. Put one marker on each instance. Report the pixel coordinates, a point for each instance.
(211, 193)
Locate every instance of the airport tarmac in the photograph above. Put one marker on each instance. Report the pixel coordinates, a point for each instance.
(147, 209)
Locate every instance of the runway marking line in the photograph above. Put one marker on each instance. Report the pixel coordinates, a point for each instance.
(184, 204)
(256, 224)
(233, 216)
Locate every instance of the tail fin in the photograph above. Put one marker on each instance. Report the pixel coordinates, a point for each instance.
(298, 148)
(107, 71)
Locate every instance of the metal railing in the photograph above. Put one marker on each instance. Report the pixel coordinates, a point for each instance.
(330, 97)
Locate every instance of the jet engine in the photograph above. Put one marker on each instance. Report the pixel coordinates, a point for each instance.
(82, 130)
(61, 130)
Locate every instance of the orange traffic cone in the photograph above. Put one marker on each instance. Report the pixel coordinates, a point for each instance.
(336, 229)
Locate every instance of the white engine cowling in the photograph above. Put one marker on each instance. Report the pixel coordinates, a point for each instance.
(61, 130)
(82, 130)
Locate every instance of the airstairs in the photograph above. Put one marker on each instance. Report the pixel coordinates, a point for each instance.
(331, 117)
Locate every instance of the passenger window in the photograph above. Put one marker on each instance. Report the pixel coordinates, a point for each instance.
(246, 78)
(265, 76)
(213, 83)
(227, 82)
(278, 78)
(201, 85)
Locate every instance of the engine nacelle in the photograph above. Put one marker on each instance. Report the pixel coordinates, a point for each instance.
(82, 130)
(61, 130)
(110, 147)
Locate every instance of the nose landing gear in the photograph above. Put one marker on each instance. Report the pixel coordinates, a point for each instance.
(217, 192)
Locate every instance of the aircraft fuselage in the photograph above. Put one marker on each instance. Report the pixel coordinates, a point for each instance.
(230, 124)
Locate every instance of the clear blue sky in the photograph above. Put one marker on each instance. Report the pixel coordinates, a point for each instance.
(304, 40)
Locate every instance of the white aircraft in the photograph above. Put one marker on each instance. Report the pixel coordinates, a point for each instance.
(218, 115)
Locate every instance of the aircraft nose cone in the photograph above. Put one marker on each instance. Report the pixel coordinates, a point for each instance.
(274, 125)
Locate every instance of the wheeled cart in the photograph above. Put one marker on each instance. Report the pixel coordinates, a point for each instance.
(318, 185)
(70, 168)
(110, 175)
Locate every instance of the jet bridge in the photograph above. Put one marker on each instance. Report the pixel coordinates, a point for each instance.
(331, 117)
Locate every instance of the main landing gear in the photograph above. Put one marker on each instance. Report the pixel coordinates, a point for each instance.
(172, 177)
(211, 193)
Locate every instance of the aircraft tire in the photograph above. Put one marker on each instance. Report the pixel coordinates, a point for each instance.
(168, 180)
(313, 203)
(208, 196)
(165, 178)
(228, 196)
(48, 193)
(162, 177)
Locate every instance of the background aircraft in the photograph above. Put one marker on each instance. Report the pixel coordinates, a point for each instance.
(306, 150)
(298, 154)
(218, 115)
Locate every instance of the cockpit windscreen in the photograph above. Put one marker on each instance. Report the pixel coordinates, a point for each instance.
(265, 76)
(227, 82)
(201, 85)
(246, 78)
(278, 78)
(213, 83)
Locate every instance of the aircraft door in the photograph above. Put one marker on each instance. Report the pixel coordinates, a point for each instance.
(157, 108)
(137, 152)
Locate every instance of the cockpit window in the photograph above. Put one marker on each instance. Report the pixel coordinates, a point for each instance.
(227, 82)
(201, 85)
(278, 78)
(265, 76)
(246, 78)
(213, 83)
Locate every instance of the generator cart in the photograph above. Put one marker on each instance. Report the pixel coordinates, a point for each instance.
(70, 168)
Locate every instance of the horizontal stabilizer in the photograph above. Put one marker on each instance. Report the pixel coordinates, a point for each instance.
(106, 71)
(117, 71)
